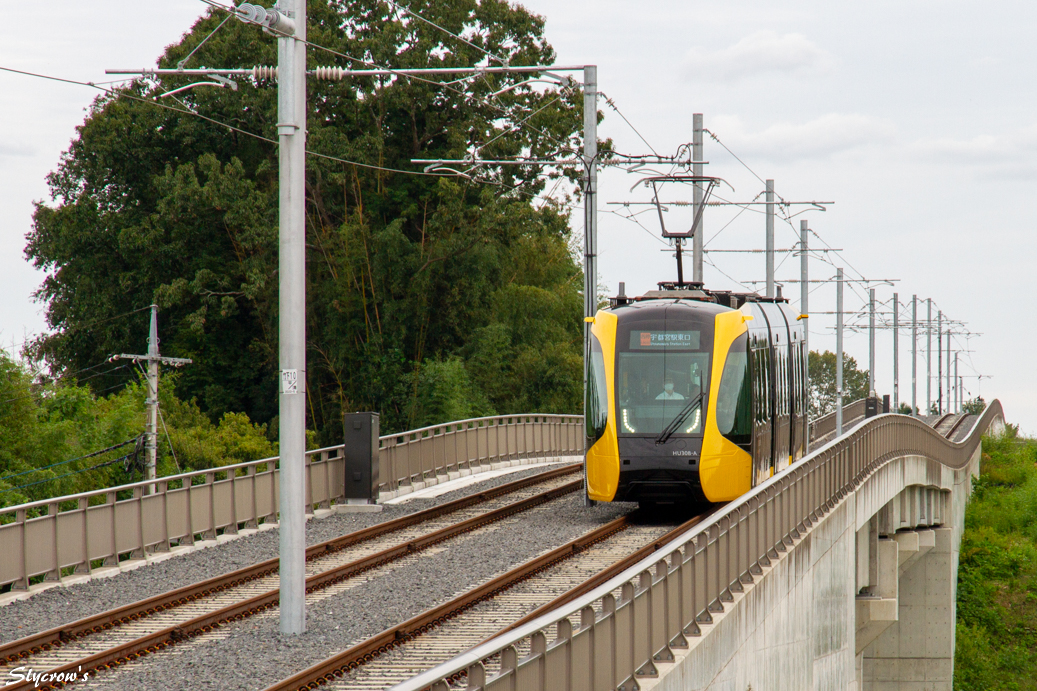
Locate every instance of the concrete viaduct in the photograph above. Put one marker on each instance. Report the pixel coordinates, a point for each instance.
(839, 573)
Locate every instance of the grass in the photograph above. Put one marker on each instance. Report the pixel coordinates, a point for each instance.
(997, 575)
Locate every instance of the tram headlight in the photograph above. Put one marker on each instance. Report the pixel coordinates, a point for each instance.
(626, 422)
(694, 421)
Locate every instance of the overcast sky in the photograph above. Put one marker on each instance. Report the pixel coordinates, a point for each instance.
(916, 119)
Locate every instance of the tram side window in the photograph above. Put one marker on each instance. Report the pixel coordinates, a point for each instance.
(734, 398)
(597, 413)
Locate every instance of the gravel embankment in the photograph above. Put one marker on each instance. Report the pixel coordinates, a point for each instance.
(58, 606)
(254, 654)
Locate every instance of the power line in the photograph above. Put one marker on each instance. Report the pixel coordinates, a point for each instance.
(445, 31)
(71, 460)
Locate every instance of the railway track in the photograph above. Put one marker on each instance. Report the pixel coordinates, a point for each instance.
(523, 593)
(112, 638)
(953, 431)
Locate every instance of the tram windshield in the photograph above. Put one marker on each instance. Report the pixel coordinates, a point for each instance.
(659, 372)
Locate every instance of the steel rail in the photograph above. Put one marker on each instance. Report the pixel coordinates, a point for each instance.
(390, 638)
(605, 574)
(23, 649)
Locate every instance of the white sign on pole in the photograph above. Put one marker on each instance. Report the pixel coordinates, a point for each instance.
(290, 381)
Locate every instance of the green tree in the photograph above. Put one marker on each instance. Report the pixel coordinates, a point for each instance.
(822, 382)
(406, 273)
(974, 406)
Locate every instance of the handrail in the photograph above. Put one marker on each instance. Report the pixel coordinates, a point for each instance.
(702, 559)
(100, 525)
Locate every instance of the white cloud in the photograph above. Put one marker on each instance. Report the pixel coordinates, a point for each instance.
(13, 150)
(1010, 155)
(819, 138)
(757, 53)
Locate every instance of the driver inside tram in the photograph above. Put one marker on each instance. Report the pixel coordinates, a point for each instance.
(668, 393)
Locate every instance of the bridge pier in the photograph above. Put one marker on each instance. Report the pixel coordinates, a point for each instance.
(917, 650)
(864, 600)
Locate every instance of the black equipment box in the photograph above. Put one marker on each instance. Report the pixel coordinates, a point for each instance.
(871, 407)
(360, 435)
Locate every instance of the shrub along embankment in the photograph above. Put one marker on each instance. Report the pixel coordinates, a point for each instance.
(997, 576)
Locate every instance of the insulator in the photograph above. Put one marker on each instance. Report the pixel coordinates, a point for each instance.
(331, 73)
(279, 22)
(264, 72)
(248, 12)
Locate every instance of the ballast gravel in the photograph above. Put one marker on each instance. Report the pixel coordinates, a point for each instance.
(63, 605)
(254, 654)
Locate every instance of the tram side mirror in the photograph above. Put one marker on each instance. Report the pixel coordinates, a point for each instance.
(747, 318)
(803, 316)
(589, 320)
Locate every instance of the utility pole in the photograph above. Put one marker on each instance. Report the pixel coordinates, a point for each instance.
(770, 238)
(914, 355)
(291, 130)
(939, 363)
(871, 342)
(929, 357)
(154, 359)
(957, 389)
(896, 353)
(949, 393)
(590, 223)
(696, 169)
(839, 352)
(804, 309)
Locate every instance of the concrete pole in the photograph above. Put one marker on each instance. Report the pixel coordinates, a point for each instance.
(770, 238)
(804, 309)
(939, 363)
(291, 130)
(838, 352)
(590, 221)
(949, 386)
(151, 441)
(914, 355)
(929, 356)
(896, 353)
(696, 169)
(871, 342)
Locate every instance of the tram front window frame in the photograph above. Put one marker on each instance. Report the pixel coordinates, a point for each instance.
(648, 354)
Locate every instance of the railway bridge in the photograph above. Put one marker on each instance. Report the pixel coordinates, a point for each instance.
(837, 573)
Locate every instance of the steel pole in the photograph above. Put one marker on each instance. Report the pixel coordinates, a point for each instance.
(804, 309)
(914, 355)
(696, 169)
(950, 393)
(929, 356)
(896, 353)
(838, 352)
(871, 342)
(590, 221)
(957, 389)
(291, 130)
(151, 441)
(939, 363)
(770, 238)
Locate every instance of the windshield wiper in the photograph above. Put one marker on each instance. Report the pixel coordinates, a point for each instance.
(679, 420)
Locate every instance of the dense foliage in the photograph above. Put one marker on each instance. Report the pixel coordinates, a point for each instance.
(996, 640)
(50, 433)
(822, 382)
(429, 298)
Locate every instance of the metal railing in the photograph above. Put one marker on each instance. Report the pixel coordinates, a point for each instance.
(671, 594)
(75, 530)
(825, 425)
